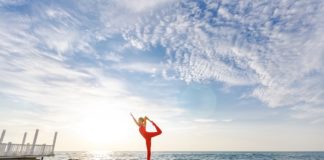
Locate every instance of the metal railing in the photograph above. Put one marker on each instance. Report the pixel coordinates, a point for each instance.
(13, 150)
(19, 150)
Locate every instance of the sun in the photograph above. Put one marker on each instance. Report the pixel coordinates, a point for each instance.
(104, 125)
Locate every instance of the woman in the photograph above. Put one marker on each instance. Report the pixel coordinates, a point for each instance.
(147, 135)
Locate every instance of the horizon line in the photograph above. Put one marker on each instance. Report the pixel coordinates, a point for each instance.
(199, 151)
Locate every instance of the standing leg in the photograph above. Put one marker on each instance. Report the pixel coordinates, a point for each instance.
(148, 148)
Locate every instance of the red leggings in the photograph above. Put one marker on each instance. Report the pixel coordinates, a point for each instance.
(148, 136)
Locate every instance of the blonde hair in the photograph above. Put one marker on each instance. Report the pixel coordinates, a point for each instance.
(140, 119)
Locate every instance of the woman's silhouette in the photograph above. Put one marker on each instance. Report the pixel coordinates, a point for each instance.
(147, 135)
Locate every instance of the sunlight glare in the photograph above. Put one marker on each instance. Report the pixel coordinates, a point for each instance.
(104, 125)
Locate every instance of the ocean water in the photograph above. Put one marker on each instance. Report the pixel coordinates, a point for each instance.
(189, 156)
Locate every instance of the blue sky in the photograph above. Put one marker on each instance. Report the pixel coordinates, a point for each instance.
(215, 75)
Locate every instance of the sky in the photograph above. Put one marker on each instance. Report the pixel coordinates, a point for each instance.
(214, 75)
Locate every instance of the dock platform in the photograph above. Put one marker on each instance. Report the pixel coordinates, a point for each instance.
(26, 151)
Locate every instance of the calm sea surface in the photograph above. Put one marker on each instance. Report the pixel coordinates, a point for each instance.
(189, 156)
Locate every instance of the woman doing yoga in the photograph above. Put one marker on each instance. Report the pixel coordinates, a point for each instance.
(147, 135)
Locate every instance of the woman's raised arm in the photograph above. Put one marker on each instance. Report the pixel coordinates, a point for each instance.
(134, 119)
(145, 118)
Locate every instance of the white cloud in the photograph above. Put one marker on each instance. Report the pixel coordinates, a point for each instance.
(227, 120)
(58, 39)
(142, 5)
(148, 68)
(136, 43)
(279, 53)
(12, 2)
(203, 120)
(112, 56)
(55, 13)
(211, 120)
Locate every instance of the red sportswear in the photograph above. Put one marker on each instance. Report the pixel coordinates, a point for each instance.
(148, 136)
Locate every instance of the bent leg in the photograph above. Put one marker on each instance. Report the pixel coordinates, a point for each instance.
(153, 134)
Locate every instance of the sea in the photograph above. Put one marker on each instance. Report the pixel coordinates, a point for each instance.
(188, 156)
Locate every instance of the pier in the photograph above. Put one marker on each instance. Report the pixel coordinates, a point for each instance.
(26, 151)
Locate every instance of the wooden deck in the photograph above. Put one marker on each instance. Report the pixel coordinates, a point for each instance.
(25, 151)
